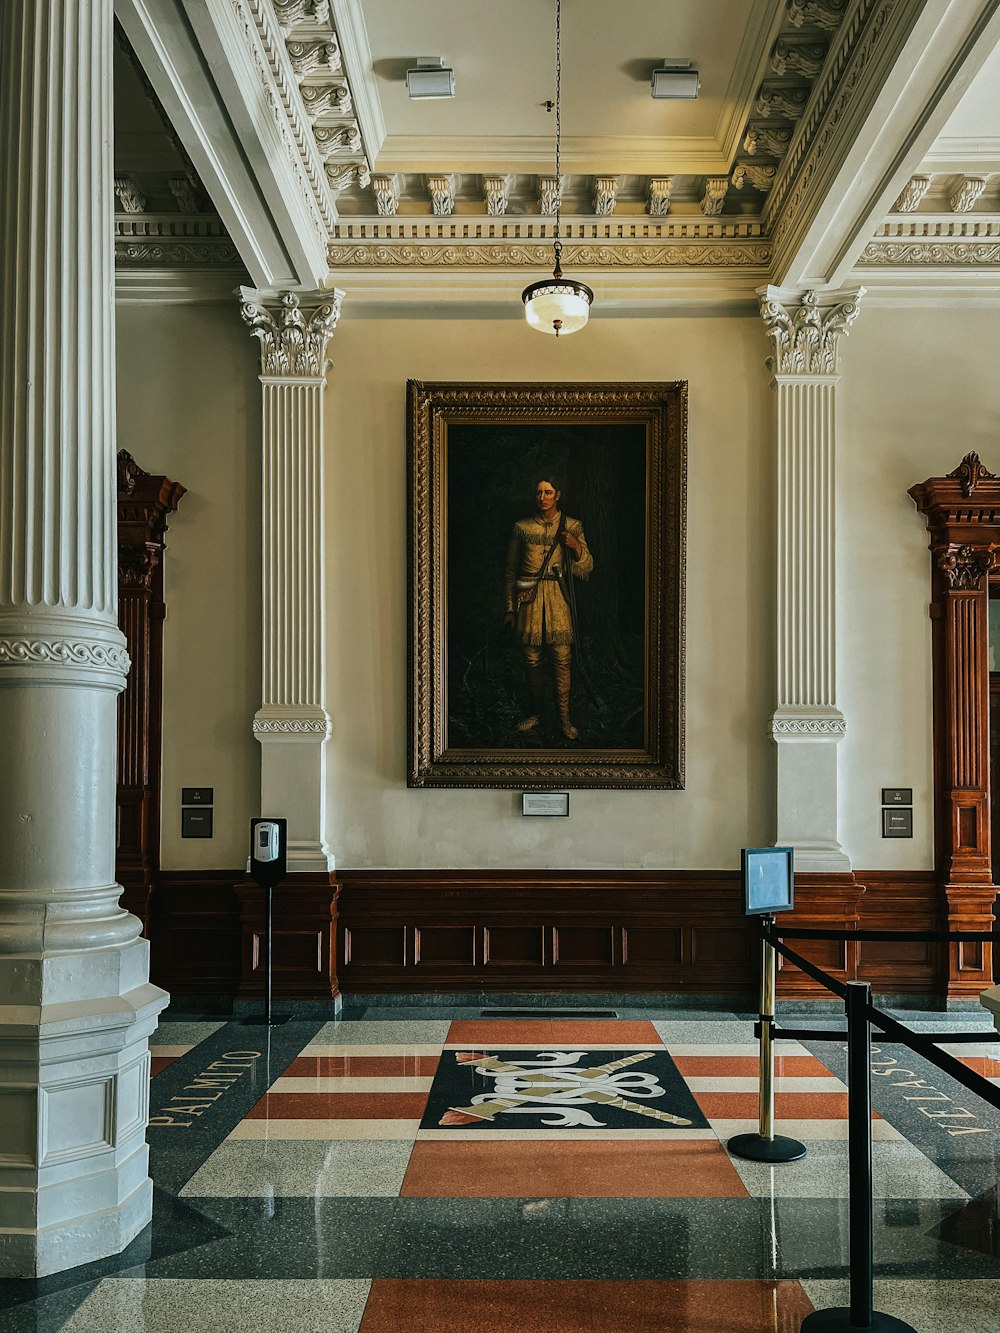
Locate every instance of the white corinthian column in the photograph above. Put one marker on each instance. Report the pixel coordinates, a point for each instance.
(76, 1007)
(807, 725)
(292, 723)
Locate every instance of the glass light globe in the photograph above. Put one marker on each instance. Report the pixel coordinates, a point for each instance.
(557, 305)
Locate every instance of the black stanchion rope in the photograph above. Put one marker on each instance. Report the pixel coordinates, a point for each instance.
(917, 1042)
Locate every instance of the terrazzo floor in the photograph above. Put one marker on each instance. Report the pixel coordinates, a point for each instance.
(428, 1169)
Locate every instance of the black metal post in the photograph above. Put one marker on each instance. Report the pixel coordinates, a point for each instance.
(766, 1146)
(862, 1312)
(267, 950)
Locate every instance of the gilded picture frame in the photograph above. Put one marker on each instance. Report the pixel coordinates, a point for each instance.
(546, 635)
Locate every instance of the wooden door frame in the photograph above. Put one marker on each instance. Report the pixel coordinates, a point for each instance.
(963, 518)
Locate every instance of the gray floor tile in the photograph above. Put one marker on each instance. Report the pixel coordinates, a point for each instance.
(164, 1306)
(900, 1171)
(302, 1169)
(377, 1033)
(699, 1032)
(183, 1034)
(931, 1307)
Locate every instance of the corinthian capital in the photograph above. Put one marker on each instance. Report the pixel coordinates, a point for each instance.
(806, 331)
(293, 341)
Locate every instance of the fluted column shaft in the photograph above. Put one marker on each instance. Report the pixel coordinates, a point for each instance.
(292, 723)
(807, 723)
(75, 1005)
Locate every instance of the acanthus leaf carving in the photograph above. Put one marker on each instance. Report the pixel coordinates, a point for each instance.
(767, 139)
(970, 472)
(331, 139)
(292, 344)
(825, 14)
(129, 196)
(345, 174)
(912, 193)
(549, 195)
(713, 197)
(658, 198)
(760, 177)
(807, 336)
(964, 567)
(798, 57)
(496, 194)
(781, 101)
(605, 194)
(964, 197)
(386, 189)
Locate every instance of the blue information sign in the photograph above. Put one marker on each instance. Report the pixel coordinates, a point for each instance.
(767, 880)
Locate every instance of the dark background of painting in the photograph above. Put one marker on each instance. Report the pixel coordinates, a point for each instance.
(492, 471)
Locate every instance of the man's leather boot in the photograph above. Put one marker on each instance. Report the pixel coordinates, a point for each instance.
(561, 677)
(535, 677)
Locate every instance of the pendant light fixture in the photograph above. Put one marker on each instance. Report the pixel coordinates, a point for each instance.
(557, 304)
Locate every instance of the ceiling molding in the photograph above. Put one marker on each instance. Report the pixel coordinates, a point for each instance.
(349, 23)
(896, 75)
(171, 286)
(765, 21)
(620, 154)
(488, 294)
(957, 153)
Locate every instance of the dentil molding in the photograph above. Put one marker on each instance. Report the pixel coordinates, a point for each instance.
(292, 342)
(807, 333)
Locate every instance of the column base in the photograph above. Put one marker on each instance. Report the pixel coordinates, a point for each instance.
(78, 1240)
(74, 1103)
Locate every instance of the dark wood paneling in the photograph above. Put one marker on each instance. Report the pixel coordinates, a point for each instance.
(303, 938)
(672, 931)
(545, 930)
(195, 932)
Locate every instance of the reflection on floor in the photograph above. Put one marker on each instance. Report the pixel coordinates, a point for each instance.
(429, 1169)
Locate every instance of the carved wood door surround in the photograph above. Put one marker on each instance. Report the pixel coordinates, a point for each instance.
(144, 501)
(963, 518)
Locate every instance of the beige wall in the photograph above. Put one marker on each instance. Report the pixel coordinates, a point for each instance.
(919, 390)
(375, 820)
(189, 407)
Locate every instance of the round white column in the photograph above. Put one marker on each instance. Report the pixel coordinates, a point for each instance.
(292, 723)
(807, 724)
(76, 1007)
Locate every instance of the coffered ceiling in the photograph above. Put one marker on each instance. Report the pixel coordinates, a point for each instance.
(832, 141)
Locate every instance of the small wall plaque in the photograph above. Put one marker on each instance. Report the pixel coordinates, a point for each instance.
(554, 804)
(897, 795)
(197, 795)
(196, 823)
(897, 823)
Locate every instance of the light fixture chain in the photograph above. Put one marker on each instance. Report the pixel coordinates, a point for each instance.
(558, 112)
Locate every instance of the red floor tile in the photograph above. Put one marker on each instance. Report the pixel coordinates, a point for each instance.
(982, 1064)
(787, 1105)
(157, 1064)
(520, 1169)
(748, 1066)
(572, 1032)
(362, 1066)
(339, 1106)
(421, 1305)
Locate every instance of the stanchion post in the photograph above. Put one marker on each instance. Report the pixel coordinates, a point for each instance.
(267, 951)
(766, 1146)
(861, 1313)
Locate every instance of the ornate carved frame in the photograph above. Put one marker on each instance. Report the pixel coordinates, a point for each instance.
(144, 501)
(662, 409)
(963, 518)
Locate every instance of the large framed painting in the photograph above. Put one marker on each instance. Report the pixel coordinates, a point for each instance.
(546, 585)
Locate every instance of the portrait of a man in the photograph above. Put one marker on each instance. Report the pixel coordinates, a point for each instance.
(547, 552)
(545, 647)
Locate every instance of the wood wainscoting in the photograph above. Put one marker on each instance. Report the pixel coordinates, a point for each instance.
(423, 931)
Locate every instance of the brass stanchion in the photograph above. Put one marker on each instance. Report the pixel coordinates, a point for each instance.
(766, 1146)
